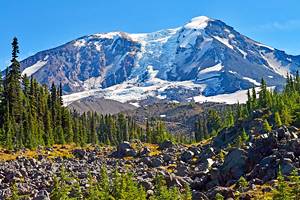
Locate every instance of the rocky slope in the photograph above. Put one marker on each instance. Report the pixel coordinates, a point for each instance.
(203, 57)
(209, 168)
(100, 105)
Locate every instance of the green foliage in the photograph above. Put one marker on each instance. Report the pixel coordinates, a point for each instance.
(61, 187)
(277, 119)
(244, 136)
(266, 126)
(242, 183)
(283, 189)
(219, 197)
(162, 192)
(14, 193)
(295, 184)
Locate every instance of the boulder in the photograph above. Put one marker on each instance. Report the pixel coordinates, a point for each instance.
(226, 192)
(156, 162)
(166, 144)
(145, 151)
(42, 195)
(124, 149)
(287, 166)
(182, 171)
(294, 146)
(79, 153)
(146, 184)
(283, 133)
(167, 158)
(196, 195)
(234, 165)
(195, 150)
(123, 146)
(205, 165)
(175, 181)
(130, 153)
(187, 156)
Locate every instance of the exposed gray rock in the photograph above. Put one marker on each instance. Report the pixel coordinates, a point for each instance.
(235, 164)
(42, 195)
(166, 144)
(225, 191)
(196, 195)
(156, 162)
(145, 151)
(79, 153)
(187, 156)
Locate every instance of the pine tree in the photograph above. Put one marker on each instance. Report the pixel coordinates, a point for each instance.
(249, 101)
(295, 180)
(277, 119)
(263, 94)
(14, 193)
(266, 126)
(219, 196)
(254, 101)
(13, 92)
(286, 117)
(283, 190)
(244, 136)
(2, 102)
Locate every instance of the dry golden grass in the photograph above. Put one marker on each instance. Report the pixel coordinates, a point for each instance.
(258, 193)
(58, 151)
(154, 151)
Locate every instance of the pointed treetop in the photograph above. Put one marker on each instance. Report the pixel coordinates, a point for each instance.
(15, 47)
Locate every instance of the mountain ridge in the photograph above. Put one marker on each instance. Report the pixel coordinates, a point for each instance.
(204, 57)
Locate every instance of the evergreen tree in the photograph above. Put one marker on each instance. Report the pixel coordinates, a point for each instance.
(277, 119)
(295, 181)
(13, 92)
(244, 136)
(2, 100)
(283, 190)
(254, 101)
(219, 196)
(266, 126)
(263, 94)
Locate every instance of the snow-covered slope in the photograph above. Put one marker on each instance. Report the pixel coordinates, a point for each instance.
(204, 57)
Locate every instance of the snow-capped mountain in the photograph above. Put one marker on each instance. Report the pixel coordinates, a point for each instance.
(204, 57)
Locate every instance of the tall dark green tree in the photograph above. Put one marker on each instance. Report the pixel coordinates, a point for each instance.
(12, 90)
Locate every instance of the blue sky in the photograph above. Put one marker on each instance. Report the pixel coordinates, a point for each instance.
(41, 25)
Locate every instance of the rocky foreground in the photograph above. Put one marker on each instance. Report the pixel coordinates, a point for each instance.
(209, 168)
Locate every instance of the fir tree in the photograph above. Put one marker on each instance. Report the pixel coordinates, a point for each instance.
(283, 190)
(266, 126)
(277, 119)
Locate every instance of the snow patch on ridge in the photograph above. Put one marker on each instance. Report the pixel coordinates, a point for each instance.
(198, 23)
(34, 68)
(79, 43)
(252, 81)
(216, 68)
(225, 41)
(274, 63)
(232, 98)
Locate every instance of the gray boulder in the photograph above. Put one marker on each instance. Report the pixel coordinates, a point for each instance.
(156, 162)
(166, 144)
(187, 156)
(79, 153)
(234, 165)
(145, 151)
(42, 195)
(196, 195)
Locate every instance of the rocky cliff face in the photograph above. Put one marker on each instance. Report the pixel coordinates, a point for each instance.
(203, 57)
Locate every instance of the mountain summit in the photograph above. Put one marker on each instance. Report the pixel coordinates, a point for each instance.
(204, 57)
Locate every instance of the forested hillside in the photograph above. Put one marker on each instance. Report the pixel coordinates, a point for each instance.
(31, 115)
